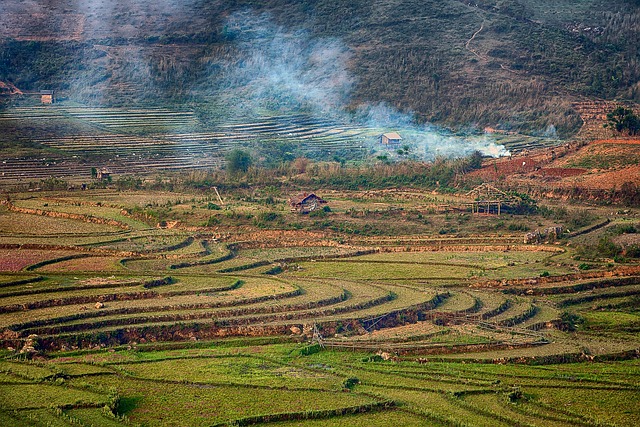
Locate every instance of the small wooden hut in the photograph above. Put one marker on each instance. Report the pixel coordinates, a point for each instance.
(46, 96)
(103, 174)
(305, 203)
(391, 138)
(489, 200)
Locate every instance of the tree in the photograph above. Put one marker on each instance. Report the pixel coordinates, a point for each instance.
(238, 161)
(622, 119)
(474, 161)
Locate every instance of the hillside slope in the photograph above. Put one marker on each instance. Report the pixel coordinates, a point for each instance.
(508, 64)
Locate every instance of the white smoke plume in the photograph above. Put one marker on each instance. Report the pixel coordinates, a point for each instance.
(424, 141)
(286, 71)
(292, 72)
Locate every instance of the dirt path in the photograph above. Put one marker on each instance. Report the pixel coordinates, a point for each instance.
(466, 45)
(479, 56)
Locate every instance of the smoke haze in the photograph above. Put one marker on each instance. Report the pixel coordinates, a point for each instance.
(284, 71)
(292, 72)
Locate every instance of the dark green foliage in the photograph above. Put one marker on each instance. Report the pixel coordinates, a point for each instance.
(53, 184)
(525, 205)
(625, 229)
(474, 161)
(30, 65)
(238, 161)
(518, 227)
(318, 213)
(267, 219)
(607, 248)
(632, 251)
(311, 349)
(213, 206)
(373, 358)
(570, 321)
(212, 221)
(268, 216)
(623, 120)
(350, 383)
(277, 153)
(515, 395)
(571, 219)
(441, 174)
(129, 183)
(274, 271)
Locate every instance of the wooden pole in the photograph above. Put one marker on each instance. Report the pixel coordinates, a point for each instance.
(218, 194)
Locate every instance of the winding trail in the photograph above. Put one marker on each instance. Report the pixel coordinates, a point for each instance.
(471, 39)
(484, 58)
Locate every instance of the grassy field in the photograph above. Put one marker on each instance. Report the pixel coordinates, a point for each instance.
(231, 380)
(291, 325)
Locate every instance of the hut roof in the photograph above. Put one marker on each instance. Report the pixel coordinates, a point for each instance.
(392, 135)
(301, 198)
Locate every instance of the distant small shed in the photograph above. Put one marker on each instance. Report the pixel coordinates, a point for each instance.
(533, 237)
(46, 96)
(555, 231)
(391, 138)
(103, 174)
(305, 203)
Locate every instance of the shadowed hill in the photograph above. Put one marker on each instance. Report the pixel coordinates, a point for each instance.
(508, 64)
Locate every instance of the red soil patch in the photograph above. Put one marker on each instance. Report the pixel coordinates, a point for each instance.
(612, 158)
(17, 259)
(506, 167)
(561, 172)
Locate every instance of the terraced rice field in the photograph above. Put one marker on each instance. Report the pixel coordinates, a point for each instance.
(161, 327)
(146, 140)
(134, 141)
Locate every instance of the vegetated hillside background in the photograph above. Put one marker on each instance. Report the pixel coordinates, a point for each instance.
(510, 64)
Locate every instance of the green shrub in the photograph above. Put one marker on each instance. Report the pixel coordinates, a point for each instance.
(373, 358)
(268, 216)
(350, 383)
(275, 270)
(625, 229)
(604, 249)
(633, 251)
(318, 213)
(607, 248)
(238, 161)
(570, 321)
(518, 227)
(515, 395)
(579, 218)
(212, 221)
(310, 349)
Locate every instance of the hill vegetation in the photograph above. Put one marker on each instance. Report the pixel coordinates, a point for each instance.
(509, 64)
